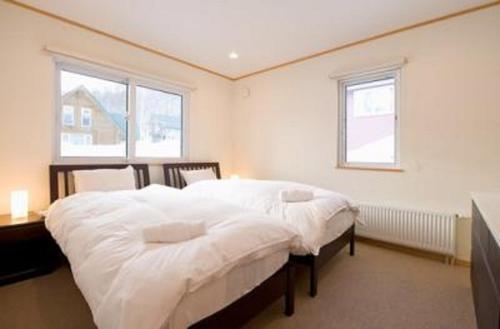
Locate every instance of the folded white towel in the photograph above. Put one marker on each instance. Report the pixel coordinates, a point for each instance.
(172, 232)
(296, 195)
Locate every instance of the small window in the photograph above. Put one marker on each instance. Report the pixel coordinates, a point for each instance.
(86, 117)
(68, 116)
(369, 107)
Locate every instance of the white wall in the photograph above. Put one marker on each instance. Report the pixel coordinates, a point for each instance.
(450, 119)
(27, 98)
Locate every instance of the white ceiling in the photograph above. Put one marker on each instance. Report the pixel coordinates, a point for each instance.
(263, 32)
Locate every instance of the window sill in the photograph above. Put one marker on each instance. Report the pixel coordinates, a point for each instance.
(399, 170)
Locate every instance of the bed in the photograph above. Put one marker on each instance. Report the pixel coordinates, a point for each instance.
(234, 291)
(339, 230)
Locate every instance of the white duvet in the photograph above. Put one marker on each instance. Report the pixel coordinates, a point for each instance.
(309, 218)
(132, 284)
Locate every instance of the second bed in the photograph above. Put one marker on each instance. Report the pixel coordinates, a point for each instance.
(326, 223)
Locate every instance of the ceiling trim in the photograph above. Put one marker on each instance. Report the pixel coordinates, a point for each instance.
(271, 68)
(116, 38)
(372, 38)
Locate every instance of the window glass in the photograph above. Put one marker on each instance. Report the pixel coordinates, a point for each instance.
(159, 124)
(370, 116)
(102, 127)
(372, 98)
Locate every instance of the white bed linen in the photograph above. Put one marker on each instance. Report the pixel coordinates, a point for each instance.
(130, 284)
(221, 292)
(310, 218)
(337, 225)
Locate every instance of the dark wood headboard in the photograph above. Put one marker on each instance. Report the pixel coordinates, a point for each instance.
(172, 174)
(65, 172)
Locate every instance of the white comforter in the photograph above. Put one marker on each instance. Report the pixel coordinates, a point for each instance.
(130, 284)
(309, 218)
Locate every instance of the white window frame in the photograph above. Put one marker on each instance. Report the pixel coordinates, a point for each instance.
(131, 80)
(84, 110)
(72, 108)
(342, 138)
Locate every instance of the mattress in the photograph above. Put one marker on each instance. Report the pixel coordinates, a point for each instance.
(218, 294)
(310, 219)
(337, 225)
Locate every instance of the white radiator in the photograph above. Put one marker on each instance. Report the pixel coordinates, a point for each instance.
(426, 230)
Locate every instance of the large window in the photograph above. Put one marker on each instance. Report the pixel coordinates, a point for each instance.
(103, 114)
(369, 106)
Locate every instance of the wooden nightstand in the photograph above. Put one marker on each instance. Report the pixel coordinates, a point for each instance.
(26, 248)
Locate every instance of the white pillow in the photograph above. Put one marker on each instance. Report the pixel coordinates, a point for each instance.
(104, 180)
(193, 176)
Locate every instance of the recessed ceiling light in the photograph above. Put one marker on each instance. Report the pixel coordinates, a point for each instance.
(233, 55)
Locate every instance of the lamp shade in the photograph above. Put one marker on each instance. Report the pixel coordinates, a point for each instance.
(19, 203)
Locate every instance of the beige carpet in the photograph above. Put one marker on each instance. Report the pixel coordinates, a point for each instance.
(377, 288)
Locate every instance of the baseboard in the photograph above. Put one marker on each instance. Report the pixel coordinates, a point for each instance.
(461, 262)
(413, 251)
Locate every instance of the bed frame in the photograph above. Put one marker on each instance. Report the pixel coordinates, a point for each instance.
(173, 178)
(325, 253)
(280, 284)
(172, 171)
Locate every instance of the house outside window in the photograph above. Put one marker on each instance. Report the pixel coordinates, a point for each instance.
(68, 116)
(65, 138)
(76, 139)
(86, 117)
(87, 139)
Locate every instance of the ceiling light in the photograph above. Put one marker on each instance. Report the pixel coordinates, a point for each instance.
(233, 55)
